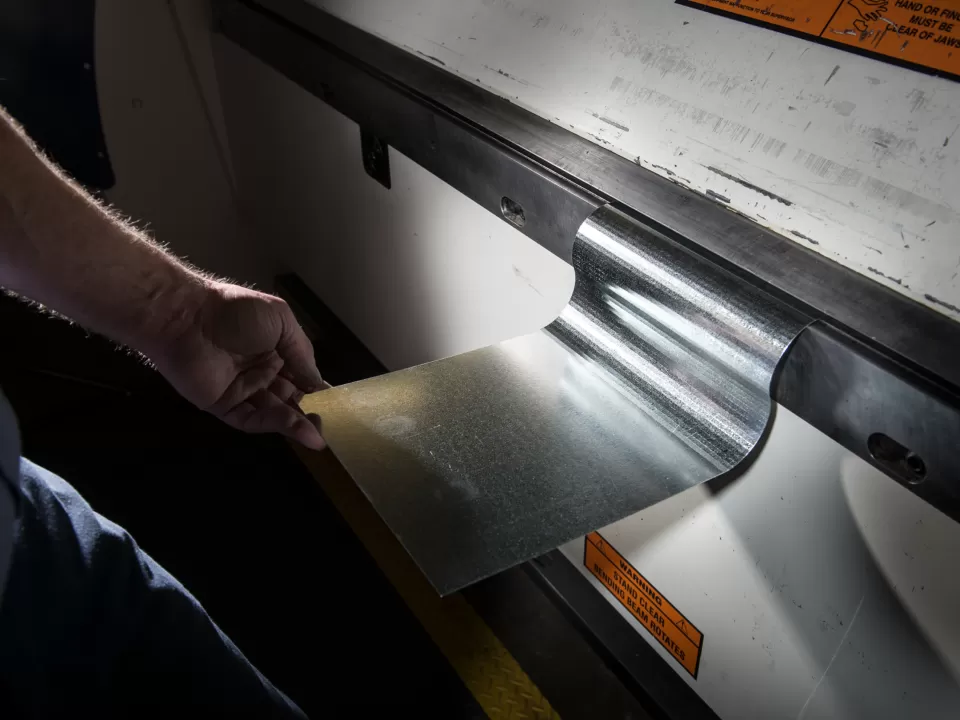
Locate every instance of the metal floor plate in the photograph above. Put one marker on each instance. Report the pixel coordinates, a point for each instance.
(655, 377)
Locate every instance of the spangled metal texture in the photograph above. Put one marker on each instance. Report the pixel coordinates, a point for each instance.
(655, 377)
(695, 348)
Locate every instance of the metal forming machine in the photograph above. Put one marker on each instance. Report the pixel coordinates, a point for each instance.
(651, 336)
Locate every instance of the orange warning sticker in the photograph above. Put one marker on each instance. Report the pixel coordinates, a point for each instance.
(661, 619)
(922, 35)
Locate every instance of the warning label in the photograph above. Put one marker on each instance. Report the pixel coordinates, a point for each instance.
(922, 35)
(661, 619)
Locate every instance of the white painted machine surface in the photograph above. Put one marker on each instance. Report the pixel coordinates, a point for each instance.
(849, 155)
(822, 589)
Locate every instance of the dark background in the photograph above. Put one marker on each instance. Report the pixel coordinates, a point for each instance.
(234, 517)
(48, 82)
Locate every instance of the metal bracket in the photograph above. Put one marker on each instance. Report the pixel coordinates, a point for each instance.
(376, 157)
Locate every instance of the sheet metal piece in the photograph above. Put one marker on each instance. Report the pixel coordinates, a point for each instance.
(694, 347)
(655, 377)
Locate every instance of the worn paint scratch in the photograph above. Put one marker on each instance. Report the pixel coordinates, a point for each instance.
(844, 107)
(431, 57)
(905, 200)
(947, 140)
(750, 186)
(886, 139)
(608, 121)
(804, 237)
(519, 273)
(840, 647)
(873, 187)
(941, 303)
(918, 97)
(897, 280)
(718, 196)
(507, 75)
(668, 171)
(836, 69)
(719, 125)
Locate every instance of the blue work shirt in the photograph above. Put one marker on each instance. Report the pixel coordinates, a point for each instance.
(91, 626)
(9, 484)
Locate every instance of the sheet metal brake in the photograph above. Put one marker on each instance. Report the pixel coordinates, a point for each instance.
(657, 376)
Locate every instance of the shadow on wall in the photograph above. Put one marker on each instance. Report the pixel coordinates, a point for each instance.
(809, 547)
(419, 271)
(160, 109)
(48, 83)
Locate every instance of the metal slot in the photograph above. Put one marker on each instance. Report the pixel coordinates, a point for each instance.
(898, 460)
(888, 416)
(512, 211)
(376, 158)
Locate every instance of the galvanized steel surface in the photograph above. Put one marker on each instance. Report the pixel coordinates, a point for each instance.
(695, 347)
(655, 377)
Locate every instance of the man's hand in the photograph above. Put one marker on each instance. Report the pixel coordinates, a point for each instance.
(234, 352)
(242, 356)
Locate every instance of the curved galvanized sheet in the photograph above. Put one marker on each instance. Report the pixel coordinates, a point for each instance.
(655, 377)
(694, 347)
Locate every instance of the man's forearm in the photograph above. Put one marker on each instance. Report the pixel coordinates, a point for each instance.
(61, 248)
(230, 350)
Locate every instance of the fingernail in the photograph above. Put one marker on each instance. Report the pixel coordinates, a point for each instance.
(307, 432)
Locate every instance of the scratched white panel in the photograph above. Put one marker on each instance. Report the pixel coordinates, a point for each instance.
(822, 588)
(850, 156)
